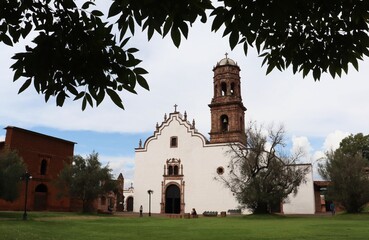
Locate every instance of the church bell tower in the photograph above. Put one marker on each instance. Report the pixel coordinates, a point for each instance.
(226, 107)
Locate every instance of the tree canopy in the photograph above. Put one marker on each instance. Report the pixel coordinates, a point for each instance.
(78, 53)
(85, 179)
(260, 174)
(12, 168)
(347, 169)
(356, 144)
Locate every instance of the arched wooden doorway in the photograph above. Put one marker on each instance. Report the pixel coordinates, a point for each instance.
(40, 201)
(172, 199)
(129, 204)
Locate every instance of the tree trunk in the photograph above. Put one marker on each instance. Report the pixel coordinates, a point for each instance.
(262, 208)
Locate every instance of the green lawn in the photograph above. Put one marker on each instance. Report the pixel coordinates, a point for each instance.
(72, 226)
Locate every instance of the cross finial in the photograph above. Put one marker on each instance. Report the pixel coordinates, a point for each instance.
(226, 54)
(175, 108)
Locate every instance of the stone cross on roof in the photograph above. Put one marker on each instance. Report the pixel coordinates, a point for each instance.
(175, 108)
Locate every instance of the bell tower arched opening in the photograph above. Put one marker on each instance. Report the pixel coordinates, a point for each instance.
(224, 123)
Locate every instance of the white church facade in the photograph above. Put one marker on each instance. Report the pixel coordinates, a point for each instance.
(178, 165)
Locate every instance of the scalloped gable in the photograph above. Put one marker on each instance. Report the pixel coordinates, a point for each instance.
(178, 117)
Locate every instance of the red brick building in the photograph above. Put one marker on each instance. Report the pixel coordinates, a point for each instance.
(44, 157)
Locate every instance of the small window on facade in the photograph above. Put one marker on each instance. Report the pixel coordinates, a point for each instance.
(220, 170)
(170, 170)
(43, 167)
(173, 142)
(175, 170)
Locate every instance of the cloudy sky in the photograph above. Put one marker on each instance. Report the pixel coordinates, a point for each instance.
(316, 115)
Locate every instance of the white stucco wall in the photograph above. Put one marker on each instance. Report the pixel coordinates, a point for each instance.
(200, 162)
(303, 202)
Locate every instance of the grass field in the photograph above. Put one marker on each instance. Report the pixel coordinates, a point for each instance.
(72, 226)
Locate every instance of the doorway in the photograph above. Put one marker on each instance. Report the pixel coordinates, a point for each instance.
(40, 200)
(129, 204)
(172, 199)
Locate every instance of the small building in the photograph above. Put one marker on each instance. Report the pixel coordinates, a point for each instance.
(114, 200)
(44, 157)
(129, 197)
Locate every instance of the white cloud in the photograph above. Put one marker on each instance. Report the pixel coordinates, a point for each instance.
(332, 141)
(2, 138)
(317, 158)
(184, 76)
(301, 144)
(120, 164)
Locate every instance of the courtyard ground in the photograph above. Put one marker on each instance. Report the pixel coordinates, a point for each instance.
(70, 226)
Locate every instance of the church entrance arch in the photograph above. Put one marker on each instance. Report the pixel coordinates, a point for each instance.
(40, 200)
(172, 199)
(129, 204)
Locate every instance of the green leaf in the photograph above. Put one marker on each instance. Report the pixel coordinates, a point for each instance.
(270, 68)
(176, 36)
(84, 104)
(114, 9)
(131, 25)
(60, 99)
(72, 89)
(89, 99)
(245, 48)
(168, 24)
(233, 39)
(87, 4)
(6, 39)
(355, 64)
(140, 71)
(27, 29)
(115, 98)
(79, 95)
(316, 73)
(25, 85)
(142, 82)
(217, 23)
(97, 13)
(184, 29)
(18, 73)
(100, 96)
(132, 50)
(305, 71)
(124, 42)
(332, 71)
(150, 32)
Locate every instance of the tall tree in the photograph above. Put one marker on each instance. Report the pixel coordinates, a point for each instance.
(77, 52)
(260, 174)
(86, 179)
(346, 168)
(12, 168)
(356, 144)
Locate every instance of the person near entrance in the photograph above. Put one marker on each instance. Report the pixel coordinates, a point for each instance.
(194, 213)
(333, 208)
(141, 209)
